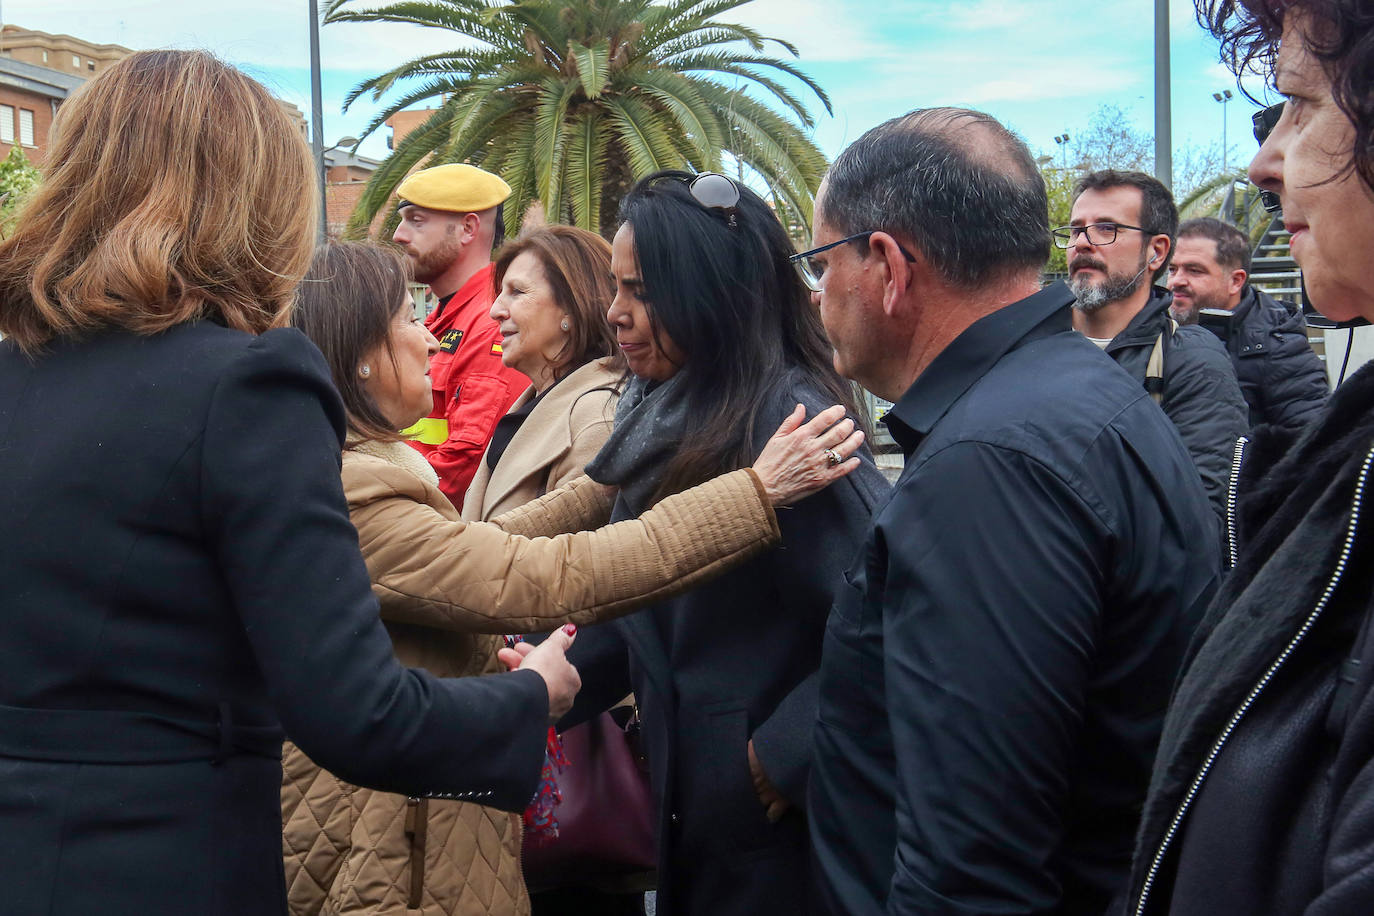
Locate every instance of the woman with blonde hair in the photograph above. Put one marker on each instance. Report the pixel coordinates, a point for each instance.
(447, 587)
(181, 580)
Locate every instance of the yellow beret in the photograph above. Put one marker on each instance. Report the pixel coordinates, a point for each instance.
(456, 187)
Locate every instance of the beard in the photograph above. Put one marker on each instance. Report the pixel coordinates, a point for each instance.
(1090, 296)
(430, 265)
(1189, 314)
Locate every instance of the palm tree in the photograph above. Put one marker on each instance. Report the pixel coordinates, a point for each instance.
(572, 100)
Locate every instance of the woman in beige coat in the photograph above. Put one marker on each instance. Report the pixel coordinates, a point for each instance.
(553, 288)
(447, 586)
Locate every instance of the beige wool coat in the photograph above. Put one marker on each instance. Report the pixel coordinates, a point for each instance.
(563, 432)
(445, 587)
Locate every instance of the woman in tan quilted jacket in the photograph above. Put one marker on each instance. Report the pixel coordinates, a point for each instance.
(447, 587)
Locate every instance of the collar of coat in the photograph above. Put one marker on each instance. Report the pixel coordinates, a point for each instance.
(1147, 324)
(546, 434)
(1292, 520)
(400, 455)
(1258, 315)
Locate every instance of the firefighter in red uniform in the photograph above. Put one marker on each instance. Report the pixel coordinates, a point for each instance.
(450, 222)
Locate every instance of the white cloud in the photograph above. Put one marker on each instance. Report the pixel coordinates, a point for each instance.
(878, 57)
(821, 30)
(266, 33)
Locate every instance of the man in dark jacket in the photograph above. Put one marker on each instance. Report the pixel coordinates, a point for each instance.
(1119, 239)
(1282, 379)
(999, 656)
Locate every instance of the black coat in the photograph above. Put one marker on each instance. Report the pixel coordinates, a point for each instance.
(1267, 757)
(997, 668)
(1201, 394)
(727, 662)
(1283, 381)
(180, 580)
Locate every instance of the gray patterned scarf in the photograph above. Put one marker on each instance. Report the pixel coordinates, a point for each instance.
(649, 420)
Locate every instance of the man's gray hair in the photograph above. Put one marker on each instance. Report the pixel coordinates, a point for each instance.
(956, 183)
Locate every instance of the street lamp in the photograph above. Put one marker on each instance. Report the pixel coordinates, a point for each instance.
(1164, 123)
(1062, 141)
(1224, 96)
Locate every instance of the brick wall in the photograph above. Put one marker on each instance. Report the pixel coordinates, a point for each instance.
(41, 106)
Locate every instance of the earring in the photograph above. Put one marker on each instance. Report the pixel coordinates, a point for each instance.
(364, 370)
(564, 325)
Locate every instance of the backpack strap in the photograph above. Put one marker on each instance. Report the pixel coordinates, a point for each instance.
(1154, 370)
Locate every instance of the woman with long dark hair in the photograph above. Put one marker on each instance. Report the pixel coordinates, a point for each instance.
(722, 342)
(1262, 799)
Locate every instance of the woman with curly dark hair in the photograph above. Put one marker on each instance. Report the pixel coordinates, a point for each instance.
(1262, 799)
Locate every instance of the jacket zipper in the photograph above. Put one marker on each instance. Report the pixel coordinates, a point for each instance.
(518, 825)
(417, 828)
(1255, 691)
(1232, 489)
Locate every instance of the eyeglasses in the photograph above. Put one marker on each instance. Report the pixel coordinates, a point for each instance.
(1098, 234)
(811, 270)
(1265, 120)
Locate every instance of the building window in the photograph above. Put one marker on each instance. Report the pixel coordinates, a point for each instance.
(76, 62)
(45, 57)
(26, 127)
(90, 65)
(7, 124)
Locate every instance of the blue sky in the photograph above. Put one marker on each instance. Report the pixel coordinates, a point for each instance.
(1041, 67)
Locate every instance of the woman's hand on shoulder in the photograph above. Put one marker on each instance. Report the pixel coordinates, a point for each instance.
(805, 457)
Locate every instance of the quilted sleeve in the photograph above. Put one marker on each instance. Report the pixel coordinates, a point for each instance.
(476, 577)
(580, 505)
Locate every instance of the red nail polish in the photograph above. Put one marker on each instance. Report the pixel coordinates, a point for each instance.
(570, 629)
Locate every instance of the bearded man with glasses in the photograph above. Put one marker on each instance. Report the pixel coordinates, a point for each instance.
(1118, 243)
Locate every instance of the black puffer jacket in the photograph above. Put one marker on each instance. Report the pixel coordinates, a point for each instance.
(1262, 798)
(1200, 395)
(1282, 379)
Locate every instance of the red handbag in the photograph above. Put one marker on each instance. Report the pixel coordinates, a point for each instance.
(605, 820)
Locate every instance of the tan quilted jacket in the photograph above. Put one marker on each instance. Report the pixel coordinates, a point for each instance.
(444, 585)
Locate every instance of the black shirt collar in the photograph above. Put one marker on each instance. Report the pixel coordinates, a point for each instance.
(971, 356)
(443, 304)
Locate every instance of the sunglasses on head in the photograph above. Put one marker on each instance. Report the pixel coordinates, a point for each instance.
(714, 191)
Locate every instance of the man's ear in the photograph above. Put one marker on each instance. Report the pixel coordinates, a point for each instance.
(1236, 282)
(898, 274)
(1159, 252)
(469, 226)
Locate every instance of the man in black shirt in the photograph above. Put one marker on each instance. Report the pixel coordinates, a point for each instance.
(1000, 653)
